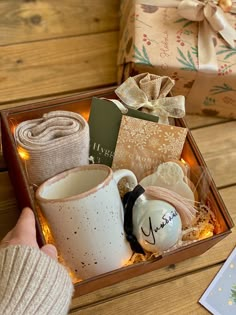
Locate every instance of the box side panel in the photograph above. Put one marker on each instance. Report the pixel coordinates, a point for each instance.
(208, 188)
(17, 174)
(125, 273)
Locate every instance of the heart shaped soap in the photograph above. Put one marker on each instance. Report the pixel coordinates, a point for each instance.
(171, 176)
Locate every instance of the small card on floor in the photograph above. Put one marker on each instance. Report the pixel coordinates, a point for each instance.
(220, 296)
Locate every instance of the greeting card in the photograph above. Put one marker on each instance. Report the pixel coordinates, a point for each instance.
(220, 296)
(142, 145)
(104, 123)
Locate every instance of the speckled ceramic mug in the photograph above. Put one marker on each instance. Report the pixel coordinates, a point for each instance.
(85, 213)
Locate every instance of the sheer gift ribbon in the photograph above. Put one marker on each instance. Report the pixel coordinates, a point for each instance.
(49, 145)
(211, 19)
(135, 92)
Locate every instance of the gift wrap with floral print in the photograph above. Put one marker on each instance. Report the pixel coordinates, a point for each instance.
(190, 41)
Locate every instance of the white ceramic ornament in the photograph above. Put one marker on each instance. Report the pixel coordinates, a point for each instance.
(170, 175)
(156, 224)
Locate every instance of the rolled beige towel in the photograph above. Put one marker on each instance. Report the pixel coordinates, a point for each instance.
(52, 144)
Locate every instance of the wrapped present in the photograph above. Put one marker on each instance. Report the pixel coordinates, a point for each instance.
(190, 41)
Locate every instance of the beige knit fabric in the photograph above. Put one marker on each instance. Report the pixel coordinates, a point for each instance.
(52, 144)
(32, 283)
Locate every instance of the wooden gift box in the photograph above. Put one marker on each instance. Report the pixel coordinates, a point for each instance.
(24, 193)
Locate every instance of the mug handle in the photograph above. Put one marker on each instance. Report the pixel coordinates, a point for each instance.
(131, 178)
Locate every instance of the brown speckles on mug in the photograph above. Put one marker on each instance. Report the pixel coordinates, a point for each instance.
(90, 221)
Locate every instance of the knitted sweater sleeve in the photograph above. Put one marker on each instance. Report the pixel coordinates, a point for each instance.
(32, 283)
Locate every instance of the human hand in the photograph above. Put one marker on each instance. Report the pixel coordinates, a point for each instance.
(24, 233)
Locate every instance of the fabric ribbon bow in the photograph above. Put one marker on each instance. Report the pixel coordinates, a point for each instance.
(211, 19)
(148, 91)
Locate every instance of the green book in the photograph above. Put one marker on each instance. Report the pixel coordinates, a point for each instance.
(104, 124)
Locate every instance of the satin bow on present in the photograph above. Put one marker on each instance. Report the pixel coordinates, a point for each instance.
(211, 20)
(149, 91)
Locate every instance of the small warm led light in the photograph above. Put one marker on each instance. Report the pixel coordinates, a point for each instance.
(226, 5)
(74, 278)
(13, 123)
(185, 167)
(85, 114)
(49, 240)
(13, 128)
(206, 234)
(23, 153)
(189, 161)
(46, 232)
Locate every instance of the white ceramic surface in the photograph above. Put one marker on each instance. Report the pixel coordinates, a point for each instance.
(85, 213)
(157, 224)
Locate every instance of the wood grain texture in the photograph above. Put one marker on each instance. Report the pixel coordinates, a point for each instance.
(216, 254)
(217, 144)
(57, 66)
(8, 207)
(25, 20)
(178, 296)
(50, 48)
(6, 191)
(196, 121)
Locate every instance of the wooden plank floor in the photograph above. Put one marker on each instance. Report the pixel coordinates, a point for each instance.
(53, 48)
